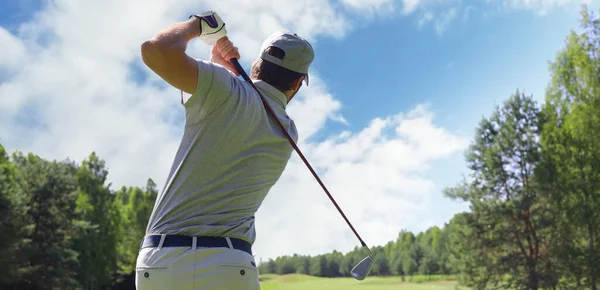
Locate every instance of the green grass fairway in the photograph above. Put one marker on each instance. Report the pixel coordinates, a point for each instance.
(302, 282)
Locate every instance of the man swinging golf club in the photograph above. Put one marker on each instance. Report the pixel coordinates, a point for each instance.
(201, 230)
(234, 148)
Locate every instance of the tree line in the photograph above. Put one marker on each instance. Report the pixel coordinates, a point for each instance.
(533, 192)
(410, 254)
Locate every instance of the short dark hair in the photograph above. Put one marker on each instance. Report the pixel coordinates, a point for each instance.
(279, 77)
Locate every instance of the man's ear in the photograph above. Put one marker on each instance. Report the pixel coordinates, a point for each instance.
(298, 83)
(292, 92)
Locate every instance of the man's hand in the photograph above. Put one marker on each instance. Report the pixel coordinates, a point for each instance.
(212, 27)
(223, 52)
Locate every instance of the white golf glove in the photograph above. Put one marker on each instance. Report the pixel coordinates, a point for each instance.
(213, 27)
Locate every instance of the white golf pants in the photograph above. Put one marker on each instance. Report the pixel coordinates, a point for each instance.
(200, 269)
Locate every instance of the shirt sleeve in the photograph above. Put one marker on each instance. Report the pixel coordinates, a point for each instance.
(215, 86)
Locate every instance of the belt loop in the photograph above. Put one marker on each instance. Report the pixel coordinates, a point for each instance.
(194, 243)
(229, 242)
(162, 240)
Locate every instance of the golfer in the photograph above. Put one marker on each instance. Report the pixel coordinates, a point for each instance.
(201, 230)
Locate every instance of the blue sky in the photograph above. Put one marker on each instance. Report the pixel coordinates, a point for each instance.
(411, 80)
(461, 72)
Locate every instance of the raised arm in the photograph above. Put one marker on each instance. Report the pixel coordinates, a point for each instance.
(165, 54)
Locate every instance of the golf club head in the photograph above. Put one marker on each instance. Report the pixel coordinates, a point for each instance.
(362, 269)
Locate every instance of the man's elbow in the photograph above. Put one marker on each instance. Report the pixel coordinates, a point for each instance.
(152, 53)
(156, 54)
(147, 47)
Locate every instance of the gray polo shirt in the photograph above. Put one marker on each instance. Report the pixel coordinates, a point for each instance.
(230, 155)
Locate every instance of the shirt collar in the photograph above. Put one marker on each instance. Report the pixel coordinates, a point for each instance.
(271, 92)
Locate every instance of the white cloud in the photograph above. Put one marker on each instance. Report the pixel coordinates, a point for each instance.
(13, 52)
(312, 107)
(440, 21)
(410, 6)
(72, 89)
(444, 20)
(426, 18)
(371, 5)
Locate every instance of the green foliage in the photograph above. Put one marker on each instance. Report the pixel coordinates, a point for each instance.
(135, 207)
(97, 244)
(13, 223)
(65, 228)
(46, 259)
(510, 224)
(571, 146)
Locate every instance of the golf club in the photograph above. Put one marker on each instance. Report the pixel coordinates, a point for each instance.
(362, 269)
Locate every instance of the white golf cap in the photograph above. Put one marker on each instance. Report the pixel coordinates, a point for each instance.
(299, 54)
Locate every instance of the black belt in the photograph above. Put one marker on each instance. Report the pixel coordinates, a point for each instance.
(152, 241)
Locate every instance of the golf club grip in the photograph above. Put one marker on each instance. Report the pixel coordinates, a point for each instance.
(245, 76)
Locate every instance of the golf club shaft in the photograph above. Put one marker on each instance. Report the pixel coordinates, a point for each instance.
(241, 71)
